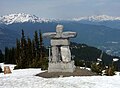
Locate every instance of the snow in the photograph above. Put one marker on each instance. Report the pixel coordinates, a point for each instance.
(85, 68)
(21, 18)
(117, 73)
(2, 65)
(25, 78)
(97, 18)
(115, 59)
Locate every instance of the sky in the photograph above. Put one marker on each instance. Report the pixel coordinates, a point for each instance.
(61, 9)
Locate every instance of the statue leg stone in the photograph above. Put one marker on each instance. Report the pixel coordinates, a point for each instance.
(65, 54)
(66, 65)
(55, 54)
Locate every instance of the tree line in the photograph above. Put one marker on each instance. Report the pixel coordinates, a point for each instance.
(28, 52)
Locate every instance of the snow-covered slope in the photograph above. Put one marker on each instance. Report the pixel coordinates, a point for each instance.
(24, 78)
(97, 18)
(21, 18)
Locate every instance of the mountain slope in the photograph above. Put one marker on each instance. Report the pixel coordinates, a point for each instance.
(7, 38)
(88, 53)
(105, 20)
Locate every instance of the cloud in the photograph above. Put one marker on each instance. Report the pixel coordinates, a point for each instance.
(61, 8)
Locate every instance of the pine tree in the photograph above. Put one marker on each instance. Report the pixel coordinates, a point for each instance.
(33, 54)
(41, 44)
(33, 49)
(1, 57)
(97, 67)
(6, 55)
(29, 52)
(36, 39)
(17, 54)
(0, 69)
(36, 60)
(23, 51)
(43, 60)
(110, 71)
(12, 58)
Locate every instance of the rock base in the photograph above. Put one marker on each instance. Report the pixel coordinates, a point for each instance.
(78, 72)
(61, 66)
(7, 70)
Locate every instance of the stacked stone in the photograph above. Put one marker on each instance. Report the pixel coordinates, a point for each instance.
(61, 55)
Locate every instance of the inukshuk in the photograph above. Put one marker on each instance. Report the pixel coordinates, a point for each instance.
(61, 55)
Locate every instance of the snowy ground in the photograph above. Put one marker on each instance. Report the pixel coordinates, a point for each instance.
(24, 78)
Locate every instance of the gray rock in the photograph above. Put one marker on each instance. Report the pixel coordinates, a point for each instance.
(61, 55)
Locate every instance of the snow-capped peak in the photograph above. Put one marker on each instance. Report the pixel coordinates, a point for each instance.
(97, 18)
(21, 18)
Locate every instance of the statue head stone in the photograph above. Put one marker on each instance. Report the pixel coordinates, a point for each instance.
(59, 30)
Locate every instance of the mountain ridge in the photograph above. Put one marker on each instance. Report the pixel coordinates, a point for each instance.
(97, 18)
(23, 17)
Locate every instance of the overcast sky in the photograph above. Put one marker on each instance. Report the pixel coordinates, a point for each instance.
(62, 9)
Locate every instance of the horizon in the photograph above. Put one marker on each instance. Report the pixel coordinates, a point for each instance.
(61, 18)
(61, 9)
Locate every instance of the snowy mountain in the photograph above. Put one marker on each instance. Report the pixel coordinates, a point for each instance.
(98, 18)
(99, 29)
(21, 18)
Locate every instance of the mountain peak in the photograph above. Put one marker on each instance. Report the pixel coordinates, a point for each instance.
(97, 18)
(21, 18)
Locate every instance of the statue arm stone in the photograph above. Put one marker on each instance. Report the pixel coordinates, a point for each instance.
(69, 34)
(49, 35)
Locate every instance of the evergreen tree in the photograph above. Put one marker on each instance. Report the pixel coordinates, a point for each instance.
(37, 53)
(110, 71)
(33, 50)
(29, 52)
(36, 39)
(44, 61)
(0, 69)
(10, 56)
(6, 55)
(41, 45)
(97, 67)
(1, 57)
(18, 54)
(23, 51)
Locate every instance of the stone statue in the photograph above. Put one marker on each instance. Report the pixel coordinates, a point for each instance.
(60, 48)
